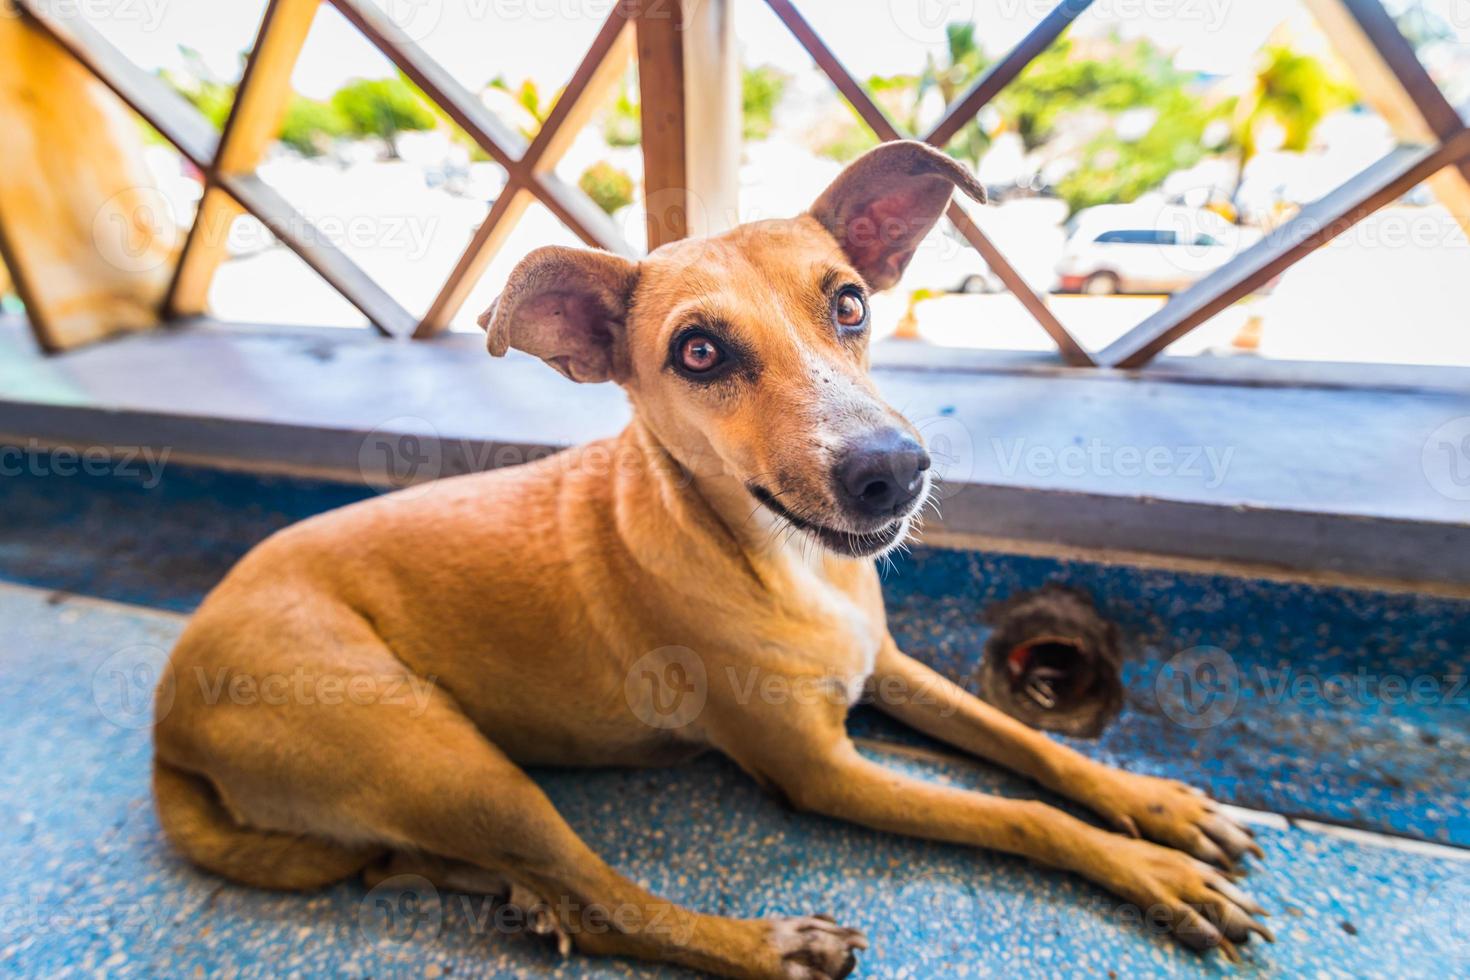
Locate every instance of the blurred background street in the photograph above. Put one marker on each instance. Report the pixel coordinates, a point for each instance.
(1136, 155)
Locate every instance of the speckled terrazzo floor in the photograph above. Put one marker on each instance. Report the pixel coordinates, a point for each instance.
(92, 890)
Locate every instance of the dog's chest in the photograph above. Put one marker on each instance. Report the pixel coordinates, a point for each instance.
(846, 629)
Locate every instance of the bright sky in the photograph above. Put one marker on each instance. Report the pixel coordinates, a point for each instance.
(543, 39)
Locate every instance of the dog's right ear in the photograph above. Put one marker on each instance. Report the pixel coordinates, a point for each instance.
(886, 201)
(568, 306)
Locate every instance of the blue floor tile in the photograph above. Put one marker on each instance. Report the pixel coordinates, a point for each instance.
(92, 890)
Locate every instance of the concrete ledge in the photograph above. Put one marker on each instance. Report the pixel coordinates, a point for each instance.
(1293, 468)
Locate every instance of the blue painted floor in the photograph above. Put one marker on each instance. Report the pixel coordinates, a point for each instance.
(91, 889)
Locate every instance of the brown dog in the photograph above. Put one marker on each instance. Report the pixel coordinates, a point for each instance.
(551, 613)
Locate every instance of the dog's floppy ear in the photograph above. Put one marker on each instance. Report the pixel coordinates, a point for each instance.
(567, 306)
(885, 202)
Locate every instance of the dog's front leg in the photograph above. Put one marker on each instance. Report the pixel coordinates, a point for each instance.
(1161, 809)
(806, 755)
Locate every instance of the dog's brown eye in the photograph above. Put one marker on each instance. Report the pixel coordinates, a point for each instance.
(699, 354)
(850, 309)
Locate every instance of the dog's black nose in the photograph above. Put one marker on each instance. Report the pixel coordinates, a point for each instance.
(881, 474)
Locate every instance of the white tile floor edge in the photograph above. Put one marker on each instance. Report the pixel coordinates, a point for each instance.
(1369, 838)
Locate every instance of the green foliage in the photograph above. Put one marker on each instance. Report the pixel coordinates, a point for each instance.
(1293, 90)
(378, 108)
(761, 90)
(212, 98)
(528, 96)
(846, 140)
(1059, 82)
(610, 187)
(310, 126)
(1114, 170)
(382, 108)
(622, 124)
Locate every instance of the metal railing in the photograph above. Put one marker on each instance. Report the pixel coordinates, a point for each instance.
(228, 158)
(1376, 186)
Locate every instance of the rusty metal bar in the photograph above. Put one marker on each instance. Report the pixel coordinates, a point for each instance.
(660, 34)
(503, 144)
(597, 69)
(1317, 223)
(1004, 71)
(183, 126)
(261, 100)
(1071, 351)
(148, 95)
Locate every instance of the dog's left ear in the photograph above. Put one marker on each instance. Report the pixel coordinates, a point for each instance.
(885, 202)
(567, 306)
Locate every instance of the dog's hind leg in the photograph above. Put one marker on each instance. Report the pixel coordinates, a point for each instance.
(359, 778)
(197, 823)
(456, 796)
(518, 908)
(453, 876)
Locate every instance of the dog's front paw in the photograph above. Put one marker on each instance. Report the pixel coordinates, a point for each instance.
(813, 947)
(1191, 899)
(1173, 813)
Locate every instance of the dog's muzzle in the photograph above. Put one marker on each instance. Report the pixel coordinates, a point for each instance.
(880, 475)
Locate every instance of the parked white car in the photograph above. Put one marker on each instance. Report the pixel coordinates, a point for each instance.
(1028, 232)
(1137, 248)
(945, 262)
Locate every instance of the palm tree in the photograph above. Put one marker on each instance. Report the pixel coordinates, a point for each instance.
(1294, 91)
(965, 61)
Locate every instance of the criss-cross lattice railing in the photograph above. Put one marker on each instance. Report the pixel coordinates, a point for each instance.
(1434, 140)
(1437, 138)
(228, 158)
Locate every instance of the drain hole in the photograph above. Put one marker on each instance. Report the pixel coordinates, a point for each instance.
(1054, 672)
(1053, 662)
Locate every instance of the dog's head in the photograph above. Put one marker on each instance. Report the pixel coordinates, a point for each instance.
(750, 349)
